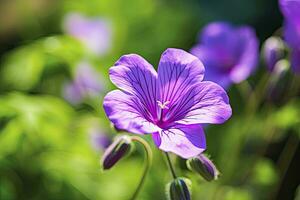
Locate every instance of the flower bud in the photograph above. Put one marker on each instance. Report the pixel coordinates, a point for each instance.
(205, 167)
(273, 51)
(117, 150)
(178, 189)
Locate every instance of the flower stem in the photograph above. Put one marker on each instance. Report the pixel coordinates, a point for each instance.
(285, 159)
(170, 166)
(147, 161)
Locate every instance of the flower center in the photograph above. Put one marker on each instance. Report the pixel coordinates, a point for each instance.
(163, 105)
(163, 109)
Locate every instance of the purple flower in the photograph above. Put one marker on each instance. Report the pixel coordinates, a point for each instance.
(95, 33)
(291, 12)
(99, 139)
(172, 103)
(229, 54)
(87, 83)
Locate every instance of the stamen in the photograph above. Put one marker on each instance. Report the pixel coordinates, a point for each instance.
(163, 105)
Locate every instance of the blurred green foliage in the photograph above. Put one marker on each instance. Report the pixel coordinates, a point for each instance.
(45, 148)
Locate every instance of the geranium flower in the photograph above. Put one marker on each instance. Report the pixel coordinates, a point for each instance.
(229, 54)
(94, 33)
(99, 138)
(291, 12)
(171, 104)
(87, 83)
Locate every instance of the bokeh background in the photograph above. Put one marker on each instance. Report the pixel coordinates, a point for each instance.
(51, 142)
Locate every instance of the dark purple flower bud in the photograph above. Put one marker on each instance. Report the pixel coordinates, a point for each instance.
(178, 189)
(205, 167)
(117, 150)
(273, 51)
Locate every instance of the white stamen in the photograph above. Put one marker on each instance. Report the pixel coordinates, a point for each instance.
(163, 105)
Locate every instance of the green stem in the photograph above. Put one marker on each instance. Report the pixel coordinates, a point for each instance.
(285, 159)
(171, 166)
(245, 89)
(148, 162)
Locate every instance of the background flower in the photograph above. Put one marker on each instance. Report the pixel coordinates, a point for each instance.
(87, 83)
(99, 138)
(290, 10)
(95, 33)
(229, 54)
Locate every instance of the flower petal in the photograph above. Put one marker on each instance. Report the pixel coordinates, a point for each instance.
(217, 35)
(177, 71)
(296, 60)
(135, 75)
(126, 113)
(229, 54)
(290, 9)
(292, 34)
(184, 140)
(249, 52)
(207, 102)
(213, 63)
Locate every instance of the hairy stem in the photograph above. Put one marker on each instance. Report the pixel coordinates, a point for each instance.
(147, 164)
(171, 166)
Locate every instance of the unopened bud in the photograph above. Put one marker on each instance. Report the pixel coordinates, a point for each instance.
(178, 189)
(117, 150)
(273, 51)
(205, 167)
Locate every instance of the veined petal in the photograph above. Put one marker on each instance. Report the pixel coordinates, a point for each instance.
(135, 75)
(126, 112)
(184, 140)
(206, 102)
(177, 71)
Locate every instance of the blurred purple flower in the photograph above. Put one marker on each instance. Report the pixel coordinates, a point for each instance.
(95, 33)
(99, 139)
(87, 83)
(291, 12)
(229, 54)
(172, 103)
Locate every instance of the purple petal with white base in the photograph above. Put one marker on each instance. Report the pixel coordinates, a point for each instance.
(171, 104)
(184, 140)
(209, 105)
(126, 112)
